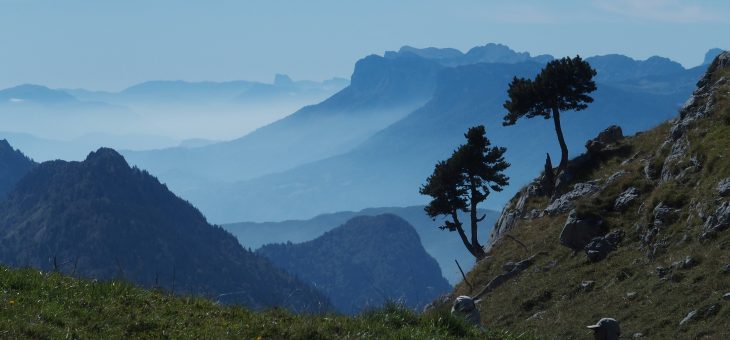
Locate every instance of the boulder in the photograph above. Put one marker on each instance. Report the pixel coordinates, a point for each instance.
(579, 231)
(609, 136)
(723, 187)
(625, 199)
(599, 247)
(465, 307)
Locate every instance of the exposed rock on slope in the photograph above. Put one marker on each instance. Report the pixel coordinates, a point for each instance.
(662, 268)
(363, 263)
(102, 219)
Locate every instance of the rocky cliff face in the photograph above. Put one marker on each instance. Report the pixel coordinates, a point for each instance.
(636, 230)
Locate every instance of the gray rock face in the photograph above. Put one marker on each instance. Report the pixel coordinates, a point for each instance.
(625, 199)
(679, 148)
(718, 221)
(564, 203)
(465, 308)
(578, 232)
(723, 188)
(616, 176)
(599, 247)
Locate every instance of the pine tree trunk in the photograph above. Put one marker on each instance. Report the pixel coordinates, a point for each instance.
(475, 250)
(473, 214)
(563, 147)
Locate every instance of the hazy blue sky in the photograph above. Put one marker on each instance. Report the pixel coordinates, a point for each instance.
(112, 44)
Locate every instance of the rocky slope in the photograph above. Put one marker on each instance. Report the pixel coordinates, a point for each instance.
(364, 263)
(637, 232)
(102, 219)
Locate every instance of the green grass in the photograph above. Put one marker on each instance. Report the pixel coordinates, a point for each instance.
(658, 305)
(52, 306)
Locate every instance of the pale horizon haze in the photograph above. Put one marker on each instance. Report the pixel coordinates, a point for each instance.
(110, 45)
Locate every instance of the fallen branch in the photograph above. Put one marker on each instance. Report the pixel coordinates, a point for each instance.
(500, 279)
(464, 276)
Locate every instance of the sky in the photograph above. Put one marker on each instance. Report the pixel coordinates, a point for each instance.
(110, 45)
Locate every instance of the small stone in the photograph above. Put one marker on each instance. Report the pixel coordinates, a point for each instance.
(726, 296)
(638, 335)
(550, 265)
(726, 269)
(631, 295)
(686, 263)
(587, 286)
(690, 316)
(537, 316)
(662, 271)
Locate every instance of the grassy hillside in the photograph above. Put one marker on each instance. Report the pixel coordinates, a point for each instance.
(646, 284)
(34, 304)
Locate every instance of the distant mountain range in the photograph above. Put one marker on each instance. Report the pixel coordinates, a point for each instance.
(102, 219)
(364, 263)
(381, 92)
(150, 115)
(305, 165)
(444, 246)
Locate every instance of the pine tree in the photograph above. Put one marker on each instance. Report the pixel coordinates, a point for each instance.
(563, 84)
(463, 181)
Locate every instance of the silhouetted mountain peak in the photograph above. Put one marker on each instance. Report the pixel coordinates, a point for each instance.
(711, 54)
(431, 52)
(283, 80)
(107, 158)
(489, 53)
(617, 67)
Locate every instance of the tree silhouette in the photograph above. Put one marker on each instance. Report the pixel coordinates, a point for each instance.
(563, 84)
(463, 181)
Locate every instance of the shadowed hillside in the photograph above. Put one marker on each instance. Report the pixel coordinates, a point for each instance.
(102, 219)
(364, 263)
